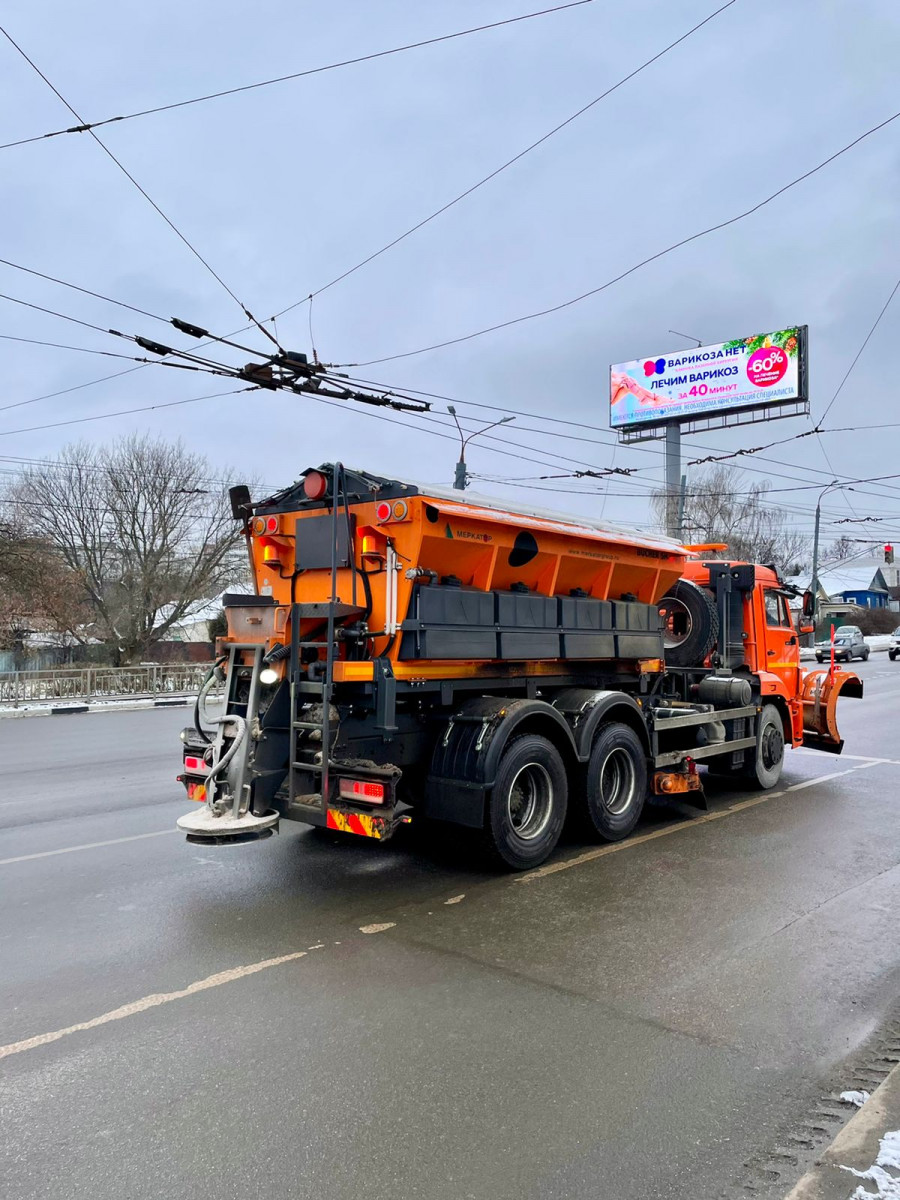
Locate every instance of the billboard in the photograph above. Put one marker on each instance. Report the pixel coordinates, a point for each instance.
(752, 372)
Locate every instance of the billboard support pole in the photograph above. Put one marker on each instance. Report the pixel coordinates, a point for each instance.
(681, 498)
(673, 476)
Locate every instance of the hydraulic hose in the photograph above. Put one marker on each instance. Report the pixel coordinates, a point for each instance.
(239, 735)
(200, 703)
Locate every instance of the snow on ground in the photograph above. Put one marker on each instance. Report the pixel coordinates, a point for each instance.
(880, 1173)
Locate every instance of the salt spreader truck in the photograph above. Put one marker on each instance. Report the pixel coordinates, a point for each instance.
(412, 653)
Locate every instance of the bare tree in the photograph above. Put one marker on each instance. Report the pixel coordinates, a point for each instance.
(841, 549)
(37, 591)
(141, 528)
(720, 507)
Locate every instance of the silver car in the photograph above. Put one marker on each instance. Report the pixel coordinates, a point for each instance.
(849, 643)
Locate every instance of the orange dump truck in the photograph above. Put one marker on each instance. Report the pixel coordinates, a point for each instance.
(410, 653)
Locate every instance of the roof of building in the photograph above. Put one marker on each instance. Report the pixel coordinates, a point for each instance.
(848, 577)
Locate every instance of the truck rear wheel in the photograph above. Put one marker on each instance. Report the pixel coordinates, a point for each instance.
(615, 783)
(527, 806)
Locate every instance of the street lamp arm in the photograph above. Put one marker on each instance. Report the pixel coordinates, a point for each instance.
(478, 432)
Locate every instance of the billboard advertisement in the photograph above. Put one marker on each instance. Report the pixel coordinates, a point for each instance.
(751, 372)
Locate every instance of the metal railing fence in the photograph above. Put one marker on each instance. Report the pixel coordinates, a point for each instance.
(101, 683)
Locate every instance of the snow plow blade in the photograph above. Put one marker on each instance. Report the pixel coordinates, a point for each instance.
(819, 695)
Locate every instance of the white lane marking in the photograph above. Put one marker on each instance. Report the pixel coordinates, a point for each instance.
(378, 928)
(455, 899)
(135, 837)
(795, 787)
(615, 847)
(139, 1006)
(869, 758)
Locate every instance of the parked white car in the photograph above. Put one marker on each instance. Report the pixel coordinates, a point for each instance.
(894, 648)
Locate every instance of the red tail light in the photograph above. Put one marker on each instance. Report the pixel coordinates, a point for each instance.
(360, 789)
(197, 765)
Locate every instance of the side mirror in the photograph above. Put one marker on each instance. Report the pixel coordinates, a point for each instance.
(809, 604)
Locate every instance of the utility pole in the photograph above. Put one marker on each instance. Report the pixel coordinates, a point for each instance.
(675, 481)
(681, 498)
(814, 582)
(673, 476)
(461, 473)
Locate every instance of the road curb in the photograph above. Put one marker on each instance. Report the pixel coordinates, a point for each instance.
(61, 710)
(856, 1145)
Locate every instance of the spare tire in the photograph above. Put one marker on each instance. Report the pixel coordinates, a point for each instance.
(690, 624)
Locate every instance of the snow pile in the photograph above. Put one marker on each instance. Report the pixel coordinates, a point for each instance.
(880, 1173)
(857, 1098)
(879, 641)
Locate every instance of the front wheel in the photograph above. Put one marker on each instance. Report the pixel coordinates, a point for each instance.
(819, 658)
(765, 769)
(615, 783)
(527, 805)
(865, 655)
(892, 655)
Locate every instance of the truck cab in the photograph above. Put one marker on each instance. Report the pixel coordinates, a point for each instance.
(757, 638)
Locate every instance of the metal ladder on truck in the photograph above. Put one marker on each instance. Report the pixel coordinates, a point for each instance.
(309, 755)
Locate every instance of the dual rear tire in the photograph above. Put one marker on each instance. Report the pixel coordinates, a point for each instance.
(528, 803)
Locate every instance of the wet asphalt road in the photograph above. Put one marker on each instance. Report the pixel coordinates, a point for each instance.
(638, 1025)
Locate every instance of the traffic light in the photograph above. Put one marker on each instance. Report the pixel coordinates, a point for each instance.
(888, 553)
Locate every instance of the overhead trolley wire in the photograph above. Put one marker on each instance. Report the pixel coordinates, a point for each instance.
(858, 354)
(106, 150)
(53, 313)
(10, 337)
(659, 453)
(125, 412)
(509, 162)
(65, 391)
(76, 288)
(817, 429)
(86, 127)
(637, 266)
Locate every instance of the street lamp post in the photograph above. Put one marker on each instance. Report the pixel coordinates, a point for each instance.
(461, 474)
(814, 582)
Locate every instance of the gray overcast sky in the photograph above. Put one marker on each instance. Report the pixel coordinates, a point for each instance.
(282, 188)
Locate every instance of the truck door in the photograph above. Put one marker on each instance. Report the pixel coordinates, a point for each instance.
(782, 656)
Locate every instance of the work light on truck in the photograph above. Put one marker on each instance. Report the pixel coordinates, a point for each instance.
(315, 485)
